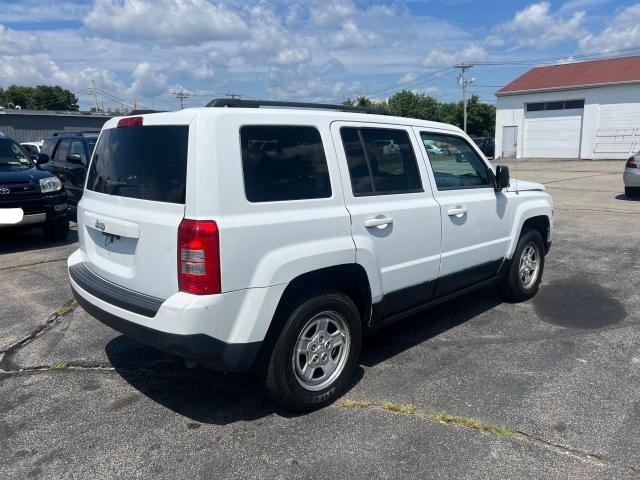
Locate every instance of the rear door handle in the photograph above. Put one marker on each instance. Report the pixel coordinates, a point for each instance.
(380, 222)
(458, 211)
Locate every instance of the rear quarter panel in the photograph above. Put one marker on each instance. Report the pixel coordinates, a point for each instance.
(269, 243)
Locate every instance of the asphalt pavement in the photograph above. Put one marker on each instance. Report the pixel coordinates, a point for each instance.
(475, 388)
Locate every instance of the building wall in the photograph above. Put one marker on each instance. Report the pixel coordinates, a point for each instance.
(610, 125)
(26, 127)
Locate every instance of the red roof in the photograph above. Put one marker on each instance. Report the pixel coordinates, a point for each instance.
(595, 72)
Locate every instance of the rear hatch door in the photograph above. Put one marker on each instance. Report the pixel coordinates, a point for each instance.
(133, 204)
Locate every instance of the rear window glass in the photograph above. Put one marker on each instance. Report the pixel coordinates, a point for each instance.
(283, 163)
(149, 163)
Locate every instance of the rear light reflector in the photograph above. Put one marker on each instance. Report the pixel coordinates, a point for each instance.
(199, 257)
(631, 163)
(130, 122)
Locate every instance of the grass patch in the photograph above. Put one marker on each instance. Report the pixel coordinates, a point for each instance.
(63, 310)
(442, 417)
(502, 430)
(399, 407)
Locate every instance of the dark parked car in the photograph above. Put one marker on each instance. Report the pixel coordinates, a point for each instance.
(40, 195)
(67, 156)
(487, 145)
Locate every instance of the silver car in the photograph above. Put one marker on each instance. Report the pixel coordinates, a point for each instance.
(631, 176)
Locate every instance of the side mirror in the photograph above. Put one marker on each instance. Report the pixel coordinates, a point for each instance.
(34, 157)
(502, 177)
(74, 158)
(42, 158)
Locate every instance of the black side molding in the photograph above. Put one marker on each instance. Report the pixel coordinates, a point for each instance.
(114, 294)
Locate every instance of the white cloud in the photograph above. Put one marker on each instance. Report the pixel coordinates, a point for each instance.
(14, 42)
(292, 56)
(351, 36)
(331, 12)
(148, 82)
(536, 26)
(166, 21)
(407, 78)
(623, 32)
(442, 58)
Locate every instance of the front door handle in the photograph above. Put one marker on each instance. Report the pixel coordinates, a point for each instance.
(379, 222)
(458, 211)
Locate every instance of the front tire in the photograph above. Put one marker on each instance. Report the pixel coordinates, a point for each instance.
(525, 272)
(313, 360)
(56, 230)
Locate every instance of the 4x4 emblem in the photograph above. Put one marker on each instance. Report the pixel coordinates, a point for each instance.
(4, 191)
(99, 225)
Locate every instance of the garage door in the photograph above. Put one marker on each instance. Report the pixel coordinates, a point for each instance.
(553, 133)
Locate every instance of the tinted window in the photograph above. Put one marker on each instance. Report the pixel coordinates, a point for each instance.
(574, 104)
(554, 106)
(12, 156)
(77, 148)
(149, 163)
(283, 163)
(535, 107)
(455, 164)
(381, 161)
(62, 150)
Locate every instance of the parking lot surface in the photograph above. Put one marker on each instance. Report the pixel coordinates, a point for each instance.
(475, 388)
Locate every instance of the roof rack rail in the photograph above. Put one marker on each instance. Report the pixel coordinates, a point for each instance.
(84, 132)
(239, 103)
(143, 112)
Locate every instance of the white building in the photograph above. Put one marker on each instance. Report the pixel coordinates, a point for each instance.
(588, 110)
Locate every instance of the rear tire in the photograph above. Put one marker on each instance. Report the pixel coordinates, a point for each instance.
(56, 230)
(525, 272)
(632, 192)
(315, 356)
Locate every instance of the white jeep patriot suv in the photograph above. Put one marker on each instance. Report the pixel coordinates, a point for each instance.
(244, 237)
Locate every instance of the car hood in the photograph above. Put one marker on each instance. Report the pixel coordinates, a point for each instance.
(524, 185)
(32, 174)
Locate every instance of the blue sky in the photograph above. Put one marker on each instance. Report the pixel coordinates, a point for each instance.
(141, 51)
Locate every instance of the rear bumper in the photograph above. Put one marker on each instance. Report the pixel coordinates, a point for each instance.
(223, 332)
(631, 179)
(211, 352)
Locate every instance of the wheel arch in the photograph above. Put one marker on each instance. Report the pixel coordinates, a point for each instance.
(350, 279)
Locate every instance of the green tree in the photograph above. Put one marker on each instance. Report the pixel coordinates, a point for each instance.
(416, 105)
(42, 97)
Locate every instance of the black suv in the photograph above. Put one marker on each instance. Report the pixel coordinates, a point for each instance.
(40, 195)
(67, 156)
(487, 145)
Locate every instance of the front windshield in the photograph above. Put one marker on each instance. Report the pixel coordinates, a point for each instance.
(12, 156)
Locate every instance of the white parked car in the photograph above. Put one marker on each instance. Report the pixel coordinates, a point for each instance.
(273, 238)
(631, 176)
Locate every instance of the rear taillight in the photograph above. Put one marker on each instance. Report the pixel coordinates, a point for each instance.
(198, 257)
(631, 163)
(130, 122)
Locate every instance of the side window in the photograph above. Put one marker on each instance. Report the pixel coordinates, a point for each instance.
(381, 161)
(455, 164)
(77, 148)
(283, 163)
(62, 150)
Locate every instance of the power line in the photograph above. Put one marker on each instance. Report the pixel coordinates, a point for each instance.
(413, 82)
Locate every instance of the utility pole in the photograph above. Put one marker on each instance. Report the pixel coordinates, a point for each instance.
(463, 83)
(95, 95)
(182, 96)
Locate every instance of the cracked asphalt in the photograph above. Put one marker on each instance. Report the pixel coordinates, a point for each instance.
(562, 372)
